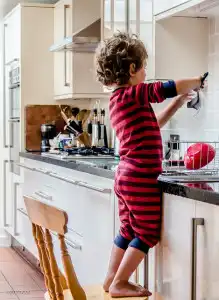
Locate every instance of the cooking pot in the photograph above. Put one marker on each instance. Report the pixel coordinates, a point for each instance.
(198, 156)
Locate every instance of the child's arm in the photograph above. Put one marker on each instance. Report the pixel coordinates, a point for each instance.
(164, 116)
(184, 86)
(157, 92)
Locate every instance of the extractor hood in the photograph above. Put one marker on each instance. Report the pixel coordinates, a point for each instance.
(85, 40)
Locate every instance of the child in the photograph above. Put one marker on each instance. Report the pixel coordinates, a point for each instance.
(121, 63)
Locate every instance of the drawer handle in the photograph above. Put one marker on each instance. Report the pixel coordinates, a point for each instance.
(25, 167)
(42, 171)
(22, 211)
(72, 244)
(95, 188)
(62, 178)
(43, 195)
(195, 223)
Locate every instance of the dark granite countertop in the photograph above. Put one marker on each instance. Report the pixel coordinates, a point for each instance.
(103, 167)
(206, 192)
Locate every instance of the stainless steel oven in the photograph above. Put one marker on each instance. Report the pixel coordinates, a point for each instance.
(14, 113)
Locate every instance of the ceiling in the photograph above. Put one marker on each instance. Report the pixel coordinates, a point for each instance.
(7, 5)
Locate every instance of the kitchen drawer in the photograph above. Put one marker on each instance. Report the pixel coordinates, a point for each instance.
(23, 229)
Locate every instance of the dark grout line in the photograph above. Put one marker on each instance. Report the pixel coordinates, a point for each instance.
(12, 291)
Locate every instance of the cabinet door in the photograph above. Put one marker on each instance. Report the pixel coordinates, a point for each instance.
(207, 241)
(146, 32)
(62, 60)
(108, 6)
(120, 15)
(7, 196)
(12, 36)
(133, 15)
(174, 253)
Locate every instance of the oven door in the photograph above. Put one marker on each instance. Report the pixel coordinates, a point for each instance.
(14, 126)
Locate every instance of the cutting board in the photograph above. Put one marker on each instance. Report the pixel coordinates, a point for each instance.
(35, 115)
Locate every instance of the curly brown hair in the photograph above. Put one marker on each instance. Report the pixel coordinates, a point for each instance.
(115, 55)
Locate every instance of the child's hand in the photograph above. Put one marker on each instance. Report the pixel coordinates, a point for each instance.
(182, 99)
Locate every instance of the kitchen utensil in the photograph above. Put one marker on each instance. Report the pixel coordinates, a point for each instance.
(198, 156)
(197, 101)
(115, 144)
(84, 139)
(75, 111)
(86, 116)
(48, 132)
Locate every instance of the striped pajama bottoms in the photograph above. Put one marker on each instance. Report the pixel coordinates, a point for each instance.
(139, 201)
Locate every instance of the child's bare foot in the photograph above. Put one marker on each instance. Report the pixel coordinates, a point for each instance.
(124, 289)
(108, 281)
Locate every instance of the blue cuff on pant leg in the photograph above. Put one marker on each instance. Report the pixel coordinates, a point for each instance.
(121, 242)
(138, 244)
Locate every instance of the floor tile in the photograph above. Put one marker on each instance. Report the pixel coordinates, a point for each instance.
(6, 255)
(32, 295)
(4, 285)
(39, 280)
(8, 296)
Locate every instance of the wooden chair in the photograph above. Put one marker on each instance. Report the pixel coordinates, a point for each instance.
(46, 218)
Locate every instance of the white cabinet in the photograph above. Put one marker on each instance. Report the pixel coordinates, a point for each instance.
(207, 242)
(74, 74)
(25, 44)
(174, 253)
(89, 204)
(134, 16)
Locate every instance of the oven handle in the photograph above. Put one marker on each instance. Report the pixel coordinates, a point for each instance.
(4, 91)
(14, 120)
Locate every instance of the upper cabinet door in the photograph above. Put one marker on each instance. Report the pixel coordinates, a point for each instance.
(12, 36)
(146, 32)
(120, 15)
(108, 18)
(62, 60)
(133, 15)
(115, 17)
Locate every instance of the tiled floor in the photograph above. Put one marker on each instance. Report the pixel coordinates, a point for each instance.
(17, 279)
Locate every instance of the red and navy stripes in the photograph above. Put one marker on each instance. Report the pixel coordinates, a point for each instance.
(136, 184)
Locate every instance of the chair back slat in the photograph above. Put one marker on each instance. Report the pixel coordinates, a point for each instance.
(73, 283)
(46, 218)
(46, 215)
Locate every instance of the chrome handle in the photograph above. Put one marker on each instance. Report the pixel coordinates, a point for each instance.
(22, 211)
(43, 195)
(72, 244)
(4, 193)
(95, 188)
(62, 178)
(146, 263)
(14, 120)
(195, 223)
(42, 171)
(25, 167)
(65, 53)
(69, 242)
(16, 184)
(12, 61)
(4, 90)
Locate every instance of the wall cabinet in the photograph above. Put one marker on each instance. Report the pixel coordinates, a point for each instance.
(74, 74)
(25, 44)
(135, 16)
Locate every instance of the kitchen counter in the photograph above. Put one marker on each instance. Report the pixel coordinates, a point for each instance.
(103, 167)
(204, 192)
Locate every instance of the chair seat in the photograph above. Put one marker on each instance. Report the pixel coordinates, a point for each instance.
(94, 293)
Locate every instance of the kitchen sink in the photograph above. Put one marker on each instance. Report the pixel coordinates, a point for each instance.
(186, 177)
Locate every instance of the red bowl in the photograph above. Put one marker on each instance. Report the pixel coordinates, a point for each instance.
(198, 156)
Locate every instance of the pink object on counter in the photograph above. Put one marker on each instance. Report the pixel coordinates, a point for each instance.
(198, 156)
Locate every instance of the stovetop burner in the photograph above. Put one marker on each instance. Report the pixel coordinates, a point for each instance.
(94, 151)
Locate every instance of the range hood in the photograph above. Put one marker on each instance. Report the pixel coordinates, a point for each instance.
(85, 40)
